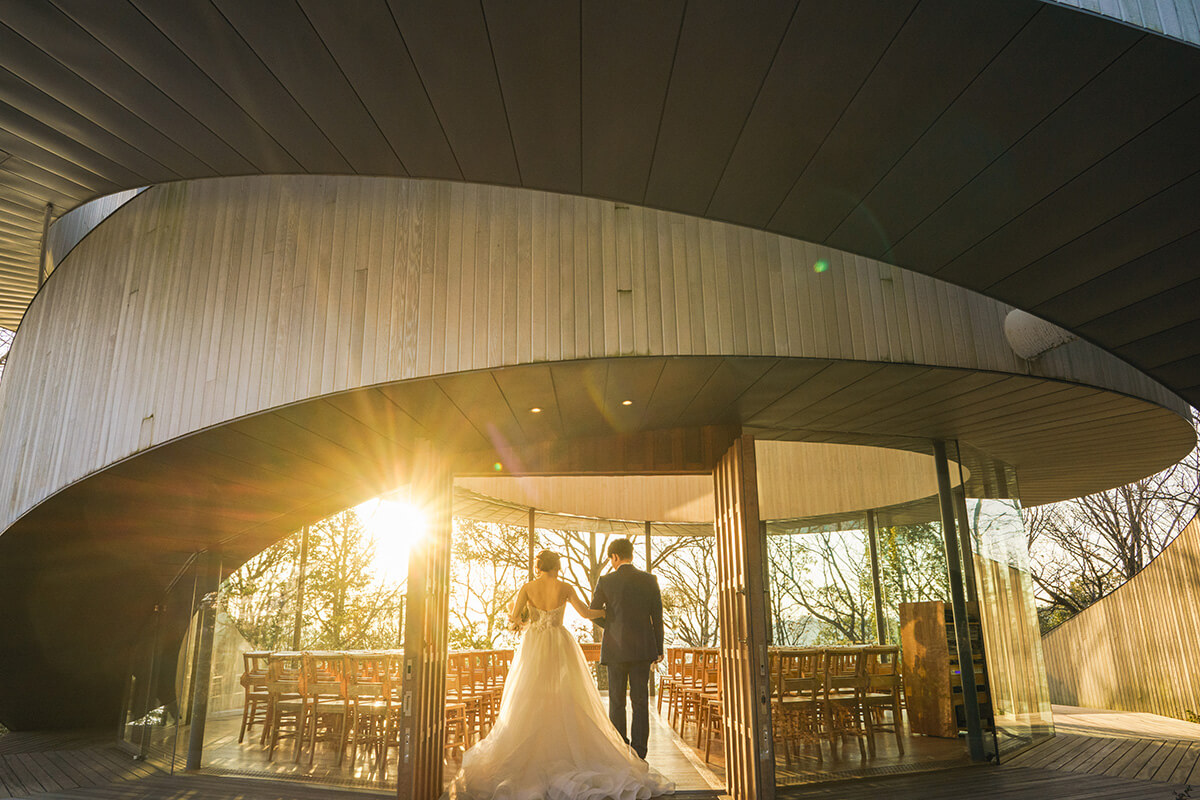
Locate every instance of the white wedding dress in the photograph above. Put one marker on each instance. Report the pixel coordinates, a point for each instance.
(552, 738)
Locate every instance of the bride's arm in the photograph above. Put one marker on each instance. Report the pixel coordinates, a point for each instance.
(518, 605)
(583, 610)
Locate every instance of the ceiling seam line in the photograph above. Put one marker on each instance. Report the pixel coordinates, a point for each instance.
(1016, 143)
(816, 151)
(662, 113)
(750, 112)
(1190, 176)
(155, 86)
(425, 90)
(299, 106)
(933, 123)
(357, 96)
(512, 140)
(221, 89)
(136, 119)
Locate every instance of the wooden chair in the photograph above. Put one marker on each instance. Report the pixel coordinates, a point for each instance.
(669, 677)
(842, 706)
(706, 690)
(687, 680)
(366, 676)
(286, 704)
(456, 728)
(257, 700)
(327, 708)
(797, 688)
(881, 692)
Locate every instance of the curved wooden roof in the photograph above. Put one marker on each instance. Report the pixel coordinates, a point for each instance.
(1038, 154)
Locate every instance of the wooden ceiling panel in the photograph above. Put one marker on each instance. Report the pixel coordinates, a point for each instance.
(812, 79)
(130, 103)
(536, 47)
(622, 96)
(1143, 318)
(1108, 232)
(449, 44)
(302, 64)
(1153, 274)
(906, 92)
(1166, 347)
(1046, 62)
(136, 41)
(1080, 133)
(206, 37)
(389, 87)
(723, 53)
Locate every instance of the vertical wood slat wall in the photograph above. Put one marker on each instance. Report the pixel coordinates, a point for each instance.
(426, 625)
(1136, 649)
(203, 301)
(742, 616)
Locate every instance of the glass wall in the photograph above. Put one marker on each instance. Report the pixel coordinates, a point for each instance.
(988, 508)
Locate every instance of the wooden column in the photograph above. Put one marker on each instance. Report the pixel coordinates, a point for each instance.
(532, 543)
(745, 701)
(876, 586)
(427, 607)
(298, 623)
(649, 556)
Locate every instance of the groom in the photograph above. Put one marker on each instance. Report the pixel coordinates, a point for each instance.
(633, 639)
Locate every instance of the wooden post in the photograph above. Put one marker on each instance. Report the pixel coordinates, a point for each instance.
(299, 621)
(876, 587)
(649, 557)
(532, 543)
(427, 609)
(958, 601)
(745, 698)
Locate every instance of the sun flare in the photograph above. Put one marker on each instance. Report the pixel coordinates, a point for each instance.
(394, 526)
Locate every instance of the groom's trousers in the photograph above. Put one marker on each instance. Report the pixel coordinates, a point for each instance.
(636, 676)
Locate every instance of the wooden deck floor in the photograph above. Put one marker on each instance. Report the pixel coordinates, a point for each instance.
(1118, 744)
(1096, 756)
(34, 764)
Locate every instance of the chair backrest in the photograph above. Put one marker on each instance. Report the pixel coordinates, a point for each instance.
(797, 673)
(366, 675)
(323, 675)
(710, 670)
(844, 668)
(284, 673)
(254, 670)
(882, 667)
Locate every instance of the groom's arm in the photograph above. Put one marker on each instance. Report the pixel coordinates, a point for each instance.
(599, 601)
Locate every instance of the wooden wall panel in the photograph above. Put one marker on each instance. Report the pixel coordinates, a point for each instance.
(205, 301)
(1178, 19)
(742, 617)
(1135, 650)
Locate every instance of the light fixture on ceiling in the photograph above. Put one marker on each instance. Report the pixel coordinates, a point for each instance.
(626, 402)
(535, 410)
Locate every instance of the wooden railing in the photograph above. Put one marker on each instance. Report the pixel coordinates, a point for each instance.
(1136, 649)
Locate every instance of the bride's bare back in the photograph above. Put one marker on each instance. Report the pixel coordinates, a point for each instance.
(546, 593)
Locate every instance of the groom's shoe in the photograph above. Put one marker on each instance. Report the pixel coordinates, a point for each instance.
(641, 755)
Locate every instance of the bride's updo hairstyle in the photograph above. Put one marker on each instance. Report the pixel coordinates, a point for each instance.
(548, 561)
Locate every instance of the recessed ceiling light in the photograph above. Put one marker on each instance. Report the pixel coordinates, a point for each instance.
(535, 410)
(626, 402)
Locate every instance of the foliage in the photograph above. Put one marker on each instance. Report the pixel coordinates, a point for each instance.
(488, 569)
(820, 581)
(688, 579)
(1082, 549)
(345, 606)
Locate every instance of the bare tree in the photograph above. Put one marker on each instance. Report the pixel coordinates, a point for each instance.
(687, 567)
(1082, 549)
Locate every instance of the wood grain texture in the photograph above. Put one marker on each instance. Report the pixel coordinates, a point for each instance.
(1178, 19)
(1135, 650)
(211, 300)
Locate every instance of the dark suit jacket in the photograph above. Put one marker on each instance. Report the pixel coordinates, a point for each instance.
(633, 623)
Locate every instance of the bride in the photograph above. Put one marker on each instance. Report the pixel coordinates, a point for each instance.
(552, 738)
